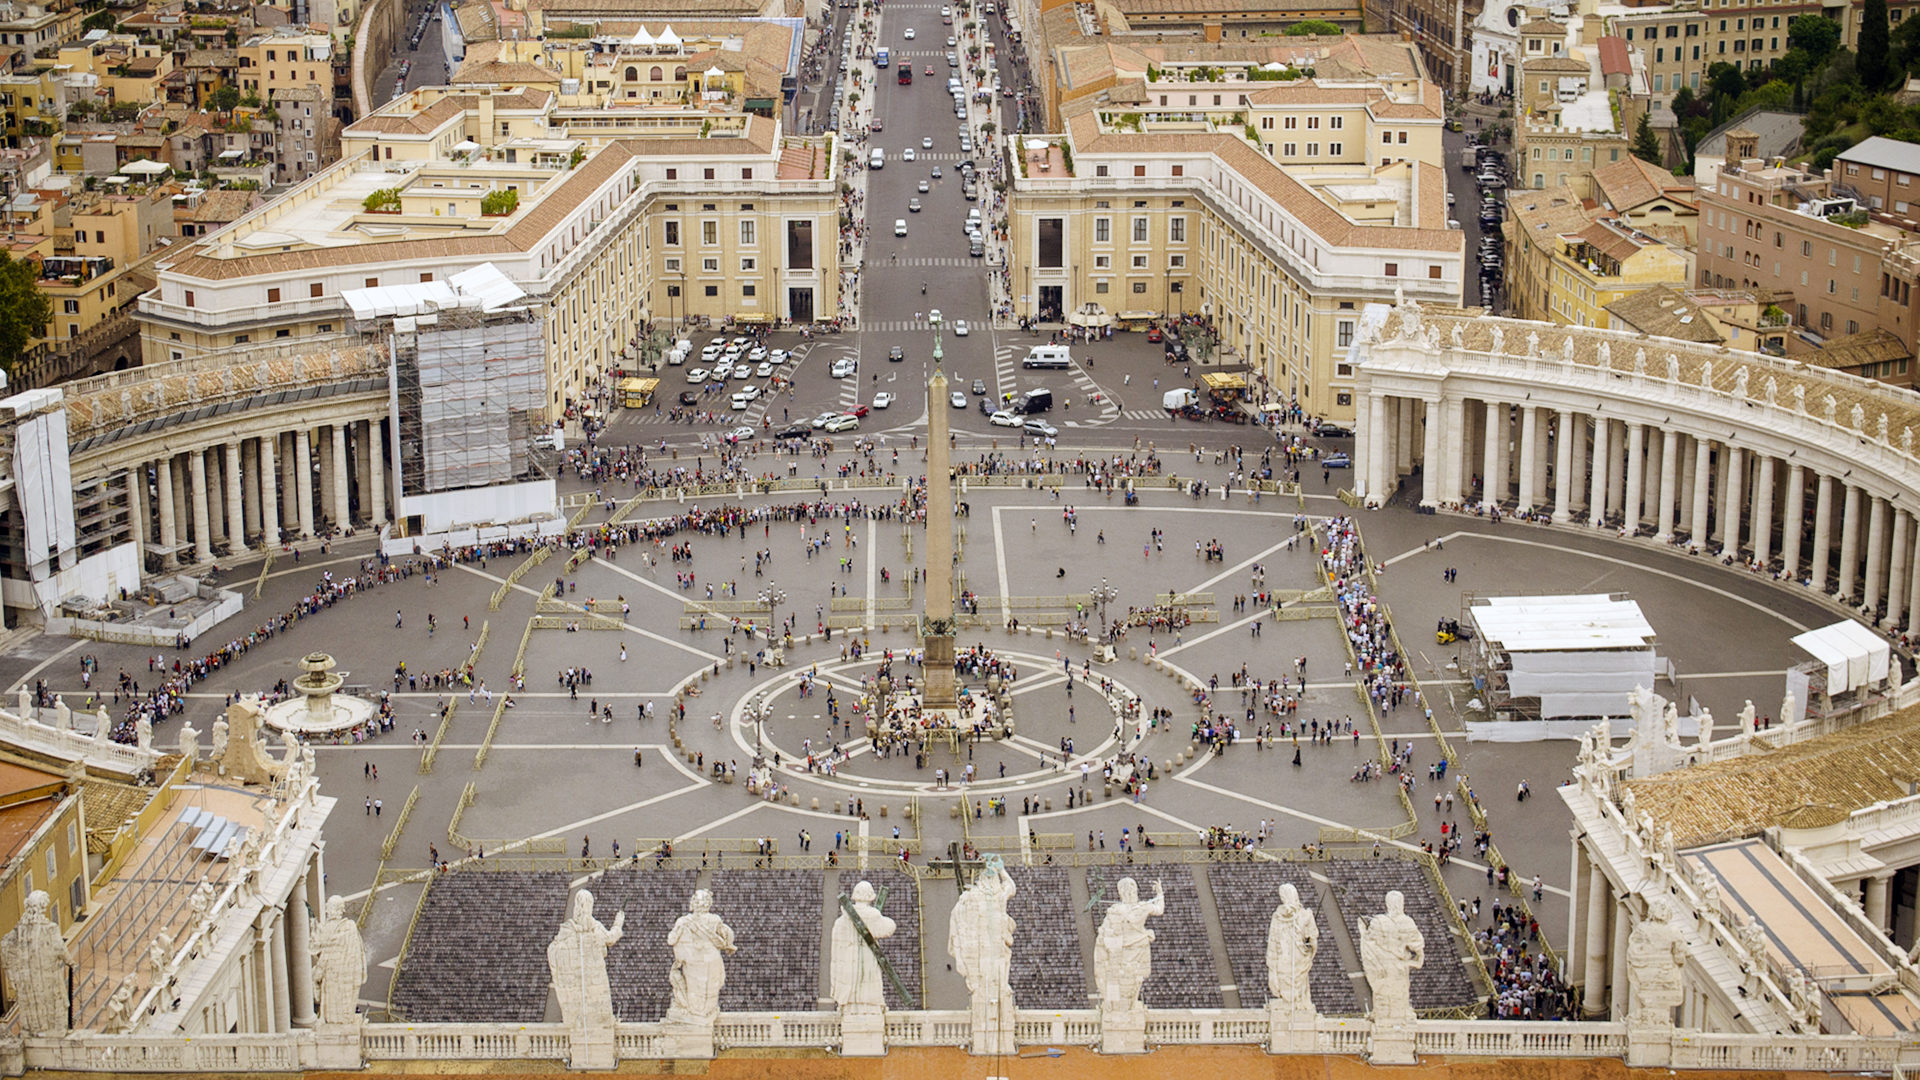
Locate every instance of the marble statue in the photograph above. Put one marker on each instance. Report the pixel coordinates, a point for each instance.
(1740, 382)
(1709, 894)
(1706, 374)
(1533, 345)
(1829, 408)
(1656, 956)
(1432, 338)
(1293, 938)
(1858, 417)
(1787, 705)
(855, 978)
(189, 742)
(1670, 720)
(1747, 713)
(577, 958)
(1880, 427)
(1799, 992)
(1906, 440)
(980, 939)
(1668, 850)
(1627, 804)
(339, 964)
(1566, 349)
(1640, 362)
(35, 958)
(1122, 951)
(1752, 937)
(143, 732)
(23, 701)
(245, 759)
(62, 713)
(102, 725)
(1606, 356)
(1459, 335)
(1673, 368)
(219, 740)
(1799, 394)
(1499, 340)
(1703, 733)
(1391, 947)
(697, 940)
(159, 957)
(1771, 390)
(201, 902)
(119, 1018)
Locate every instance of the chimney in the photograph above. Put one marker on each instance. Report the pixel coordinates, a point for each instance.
(486, 116)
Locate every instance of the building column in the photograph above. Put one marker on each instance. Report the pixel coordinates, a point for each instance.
(1762, 528)
(1563, 470)
(250, 488)
(1876, 555)
(1602, 472)
(262, 970)
(1617, 467)
(1913, 581)
(362, 472)
(282, 1017)
(202, 527)
(1878, 888)
(1898, 548)
(269, 492)
(1849, 547)
(216, 495)
(1599, 899)
(1432, 453)
(377, 471)
(1730, 502)
(1379, 451)
(142, 522)
(169, 533)
(342, 506)
(300, 955)
(303, 480)
(1633, 509)
(1529, 454)
(1702, 487)
(285, 444)
(1453, 486)
(1402, 437)
(1493, 454)
(1822, 532)
(1793, 521)
(236, 518)
(1617, 991)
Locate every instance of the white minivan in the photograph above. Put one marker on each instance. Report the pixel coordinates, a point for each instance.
(878, 160)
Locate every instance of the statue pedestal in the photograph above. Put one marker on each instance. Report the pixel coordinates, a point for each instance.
(1391, 1044)
(686, 1040)
(992, 1033)
(1290, 1030)
(336, 1046)
(938, 689)
(1123, 1031)
(593, 1046)
(863, 1034)
(1649, 1046)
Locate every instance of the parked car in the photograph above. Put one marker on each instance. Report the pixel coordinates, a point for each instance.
(1003, 419)
(896, 354)
(802, 430)
(1335, 461)
(979, 386)
(689, 397)
(958, 399)
(1041, 428)
(842, 422)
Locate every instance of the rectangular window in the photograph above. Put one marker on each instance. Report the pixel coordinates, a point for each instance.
(1139, 170)
(1139, 262)
(273, 296)
(709, 266)
(709, 232)
(1343, 333)
(1100, 287)
(316, 289)
(1288, 149)
(673, 265)
(746, 290)
(1102, 262)
(1336, 123)
(1050, 237)
(749, 264)
(1393, 269)
(1099, 170)
(1179, 170)
(1177, 262)
(1139, 230)
(1102, 230)
(673, 174)
(673, 233)
(1292, 122)
(1177, 230)
(713, 290)
(1333, 149)
(800, 244)
(747, 236)
(1433, 272)
(1313, 149)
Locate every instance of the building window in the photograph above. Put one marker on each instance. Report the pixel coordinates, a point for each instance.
(1102, 230)
(746, 290)
(1343, 334)
(1139, 262)
(1102, 262)
(1292, 122)
(1177, 262)
(713, 290)
(710, 266)
(1313, 149)
(1177, 230)
(1393, 269)
(800, 245)
(1288, 149)
(1179, 170)
(673, 291)
(273, 296)
(1050, 237)
(1334, 148)
(1433, 272)
(709, 232)
(1100, 170)
(673, 233)
(1100, 287)
(1139, 230)
(673, 265)
(72, 307)
(1337, 122)
(1386, 137)
(747, 236)
(673, 174)
(1139, 170)
(316, 289)
(1266, 123)
(749, 264)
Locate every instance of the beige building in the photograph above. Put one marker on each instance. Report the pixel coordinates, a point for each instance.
(609, 235)
(290, 56)
(1126, 218)
(1568, 263)
(1738, 320)
(1670, 42)
(1649, 198)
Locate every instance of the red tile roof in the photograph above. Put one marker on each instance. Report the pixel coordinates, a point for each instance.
(1614, 59)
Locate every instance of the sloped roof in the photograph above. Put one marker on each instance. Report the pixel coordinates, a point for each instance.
(1631, 182)
(1855, 350)
(1614, 57)
(1664, 312)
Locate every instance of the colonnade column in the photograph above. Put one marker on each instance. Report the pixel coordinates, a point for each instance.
(169, 534)
(1563, 470)
(1493, 453)
(1900, 547)
(1453, 485)
(1622, 925)
(1635, 496)
(1730, 502)
(236, 514)
(269, 492)
(1669, 470)
(1617, 465)
(1379, 451)
(1876, 555)
(1431, 464)
(202, 540)
(303, 480)
(142, 516)
(1762, 529)
(1878, 888)
(282, 1015)
(1822, 553)
(1849, 547)
(1602, 469)
(250, 489)
(1793, 520)
(1402, 436)
(1702, 487)
(377, 467)
(1599, 899)
(342, 507)
(1529, 454)
(262, 979)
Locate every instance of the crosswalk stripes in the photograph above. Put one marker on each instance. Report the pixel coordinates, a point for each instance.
(947, 261)
(1144, 414)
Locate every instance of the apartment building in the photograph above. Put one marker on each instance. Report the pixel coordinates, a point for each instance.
(43, 833)
(1440, 29)
(1838, 269)
(607, 238)
(1567, 262)
(1670, 41)
(289, 56)
(1649, 198)
(1735, 319)
(1124, 218)
(1883, 174)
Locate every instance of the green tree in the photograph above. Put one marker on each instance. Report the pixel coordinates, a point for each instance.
(1313, 26)
(1646, 145)
(1815, 35)
(100, 20)
(24, 309)
(1873, 44)
(226, 98)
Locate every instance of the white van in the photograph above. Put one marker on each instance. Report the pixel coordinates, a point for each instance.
(1048, 356)
(676, 356)
(879, 159)
(953, 86)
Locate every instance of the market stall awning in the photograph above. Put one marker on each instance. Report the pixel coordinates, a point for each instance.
(1223, 380)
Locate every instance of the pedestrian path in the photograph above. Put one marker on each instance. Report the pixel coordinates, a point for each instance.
(944, 260)
(1144, 414)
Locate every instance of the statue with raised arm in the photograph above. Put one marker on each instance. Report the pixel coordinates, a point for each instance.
(1391, 947)
(1656, 956)
(1293, 939)
(980, 939)
(35, 958)
(339, 964)
(577, 958)
(1123, 949)
(698, 939)
(856, 980)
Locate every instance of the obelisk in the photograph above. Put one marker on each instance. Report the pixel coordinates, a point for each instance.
(936, 621)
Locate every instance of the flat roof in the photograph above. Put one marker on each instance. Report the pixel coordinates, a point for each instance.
(1802, 931)
(1561, 623)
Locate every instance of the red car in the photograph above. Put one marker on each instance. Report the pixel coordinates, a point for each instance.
(858, 411)
(1155, 335)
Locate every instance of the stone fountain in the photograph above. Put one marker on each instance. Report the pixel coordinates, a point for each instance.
(319, 709)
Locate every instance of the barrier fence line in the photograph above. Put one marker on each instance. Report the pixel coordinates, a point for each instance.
(400, 823)
(266, 564)
(520, 655)
(493, 728)
(454, 836)
(406, 941)
(439, 734)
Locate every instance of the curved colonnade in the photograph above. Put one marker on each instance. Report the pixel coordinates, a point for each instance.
(1807, 473)
(226, 452)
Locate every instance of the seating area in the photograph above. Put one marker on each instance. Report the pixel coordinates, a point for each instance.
(1048, 972)
(637, 966)
(775, 915)
(1245, 895)
(902, 950)
(479, 951)
(213, 836)
(1360, 887)
(1183, 974)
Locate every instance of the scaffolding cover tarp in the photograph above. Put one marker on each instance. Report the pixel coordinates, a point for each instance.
(1854, 655)
(480, 386)
(483, 288)
(1560, 623)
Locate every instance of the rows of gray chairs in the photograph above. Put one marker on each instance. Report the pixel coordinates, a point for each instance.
(637, 967)
(775, 915)
(1246, 894)
(1360, 887)
(1183, 975)
(479, 951)
(1048, 972)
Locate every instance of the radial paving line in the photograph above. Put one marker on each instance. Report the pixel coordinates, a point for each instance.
(650, 635)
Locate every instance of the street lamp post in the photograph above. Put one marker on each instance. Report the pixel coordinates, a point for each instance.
(933, 320)
(1103, 595)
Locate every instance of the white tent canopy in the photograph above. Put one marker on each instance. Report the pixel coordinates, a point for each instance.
(484, 288)
(1554, 623)
(1854, 655)
(144, 167)
(667, 39)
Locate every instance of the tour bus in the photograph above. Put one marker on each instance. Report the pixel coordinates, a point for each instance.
(880, 58)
